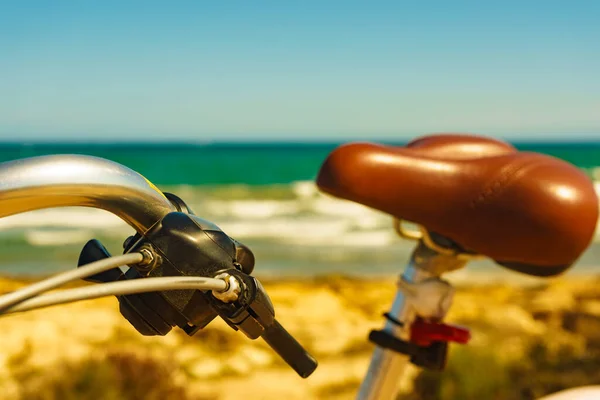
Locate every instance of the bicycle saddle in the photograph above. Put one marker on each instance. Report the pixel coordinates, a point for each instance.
(528, 212)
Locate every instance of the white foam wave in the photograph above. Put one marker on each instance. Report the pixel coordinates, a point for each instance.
(597, 187)
(310, 219)
(57, 237)
(312, 231)
(342, 208)
(72, 217)
(370, 238)
(305, 189)
(285, 228)
(251, 209)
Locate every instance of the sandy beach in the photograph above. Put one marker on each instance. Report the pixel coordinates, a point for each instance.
(527, 340)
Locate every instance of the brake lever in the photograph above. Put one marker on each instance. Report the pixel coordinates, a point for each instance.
(186, 245)
(254, 315)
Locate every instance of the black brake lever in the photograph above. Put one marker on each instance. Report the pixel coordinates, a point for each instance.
(289, 349)
(254, 315)
(187, 245)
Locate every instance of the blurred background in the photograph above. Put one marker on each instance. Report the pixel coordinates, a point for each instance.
(233, 107)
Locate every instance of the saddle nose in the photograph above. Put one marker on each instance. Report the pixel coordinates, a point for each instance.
(529, 212)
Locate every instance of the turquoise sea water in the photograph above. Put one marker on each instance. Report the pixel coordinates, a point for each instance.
(262, 194)
(244, 163)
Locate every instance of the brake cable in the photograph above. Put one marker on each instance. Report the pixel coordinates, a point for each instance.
(31, 297)
(118, 289)
(10, 299)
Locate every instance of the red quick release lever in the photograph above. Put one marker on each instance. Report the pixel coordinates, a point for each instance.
(424, 333)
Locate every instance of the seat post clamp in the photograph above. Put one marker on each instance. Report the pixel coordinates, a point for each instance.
(431, 357)
(428, 345)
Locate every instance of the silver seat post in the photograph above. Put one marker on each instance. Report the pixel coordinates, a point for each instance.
(426, 266)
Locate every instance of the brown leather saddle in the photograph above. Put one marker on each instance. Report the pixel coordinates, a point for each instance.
(529, 212)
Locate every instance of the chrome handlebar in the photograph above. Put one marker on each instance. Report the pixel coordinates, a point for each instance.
(181, 245)
(77, 180)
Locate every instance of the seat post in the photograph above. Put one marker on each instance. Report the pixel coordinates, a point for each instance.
(420, 292)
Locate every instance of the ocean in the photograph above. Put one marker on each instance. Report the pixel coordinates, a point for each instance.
(260, 193)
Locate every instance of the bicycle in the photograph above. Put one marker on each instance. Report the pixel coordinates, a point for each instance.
(180, 270)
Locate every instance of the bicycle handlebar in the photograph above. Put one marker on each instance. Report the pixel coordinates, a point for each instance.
(77, 180)
(176, 242)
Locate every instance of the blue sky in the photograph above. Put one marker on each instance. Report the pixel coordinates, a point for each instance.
(298, 69)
